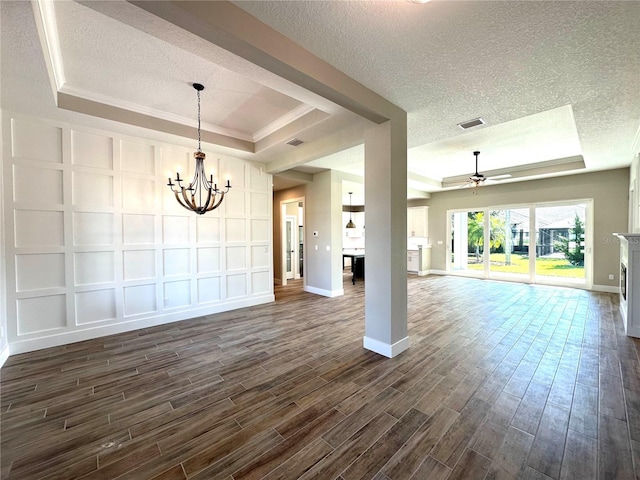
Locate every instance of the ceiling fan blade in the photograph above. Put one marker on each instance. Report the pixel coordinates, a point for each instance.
(522, 171)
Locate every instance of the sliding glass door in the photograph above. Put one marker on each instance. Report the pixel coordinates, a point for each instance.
(467, 243)
(560, 243)
(542, 243)
(509, 258)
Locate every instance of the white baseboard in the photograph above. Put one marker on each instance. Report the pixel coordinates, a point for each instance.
(385, 349)
(323, 292)
(64, 338)
(4, 355)
(437, 272)
(605, 288)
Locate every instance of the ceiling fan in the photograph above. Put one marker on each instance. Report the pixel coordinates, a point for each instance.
(523, 172)
(478, 179)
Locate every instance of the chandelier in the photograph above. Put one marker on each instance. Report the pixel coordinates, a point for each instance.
(201, 195)
(350, 224)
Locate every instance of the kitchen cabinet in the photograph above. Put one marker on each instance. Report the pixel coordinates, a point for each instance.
(418, 222)
(419, 261)
(413, 261)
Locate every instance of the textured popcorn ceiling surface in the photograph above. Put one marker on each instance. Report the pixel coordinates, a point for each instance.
(551, 79)
(446, 62)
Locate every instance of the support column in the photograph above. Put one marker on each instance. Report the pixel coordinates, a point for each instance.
(385, 155)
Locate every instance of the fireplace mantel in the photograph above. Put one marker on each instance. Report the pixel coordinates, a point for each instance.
(630, 282)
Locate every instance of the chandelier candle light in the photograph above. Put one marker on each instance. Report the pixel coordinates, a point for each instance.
(201, 195)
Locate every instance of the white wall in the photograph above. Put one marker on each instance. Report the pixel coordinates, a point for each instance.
(97, 244)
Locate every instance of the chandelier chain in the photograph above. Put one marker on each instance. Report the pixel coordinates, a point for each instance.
(199, 148)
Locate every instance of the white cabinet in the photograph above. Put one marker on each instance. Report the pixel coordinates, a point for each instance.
(419, 261)
(413, 261)
(629, 279)
(418, 222)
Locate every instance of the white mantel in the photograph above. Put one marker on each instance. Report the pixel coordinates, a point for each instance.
(630, 290)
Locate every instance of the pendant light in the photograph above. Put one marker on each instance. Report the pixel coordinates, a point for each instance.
(201, 195)
(350, 224)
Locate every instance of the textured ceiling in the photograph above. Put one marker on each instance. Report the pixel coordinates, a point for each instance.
(445, 62)
(551, 79)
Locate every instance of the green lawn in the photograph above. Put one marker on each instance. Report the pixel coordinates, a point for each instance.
(553, 267)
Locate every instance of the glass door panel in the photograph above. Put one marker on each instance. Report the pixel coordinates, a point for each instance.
(509, 237)
(560, 244)
(467, 242)
(289, 248)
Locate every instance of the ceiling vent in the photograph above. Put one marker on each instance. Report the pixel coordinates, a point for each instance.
(294, 142)
(471, 123)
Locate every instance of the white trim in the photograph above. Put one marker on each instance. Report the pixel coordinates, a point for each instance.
(605, 288)
(45, 18)
(632, 331)
(28, 345)
(385, 349)
(151, 112)
(283, 121)
(437, 272)
(274, 126)
(323, 292)
(4, 355)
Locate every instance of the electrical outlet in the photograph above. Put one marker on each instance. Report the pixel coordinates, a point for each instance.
(611, 277)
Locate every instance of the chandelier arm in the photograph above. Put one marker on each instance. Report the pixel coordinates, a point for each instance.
(209, 200)
(217, 204)
(182, 204)
(187, 201)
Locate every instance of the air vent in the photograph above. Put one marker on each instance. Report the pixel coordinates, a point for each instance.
(471, 123)
(294, 142)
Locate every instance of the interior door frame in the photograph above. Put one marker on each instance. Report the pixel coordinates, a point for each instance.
(283, 246)
(533, 240)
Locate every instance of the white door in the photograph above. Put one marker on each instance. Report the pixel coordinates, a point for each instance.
(290, 242)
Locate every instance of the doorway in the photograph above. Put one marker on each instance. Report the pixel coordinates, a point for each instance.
(546, 243)
(292, 240)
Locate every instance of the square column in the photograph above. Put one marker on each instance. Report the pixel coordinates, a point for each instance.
(385, 159)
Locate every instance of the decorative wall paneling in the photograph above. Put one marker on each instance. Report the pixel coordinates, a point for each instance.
(97, 244)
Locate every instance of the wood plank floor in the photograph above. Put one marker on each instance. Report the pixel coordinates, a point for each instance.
(501, 381)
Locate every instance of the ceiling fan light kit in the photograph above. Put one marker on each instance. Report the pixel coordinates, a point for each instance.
(202, 195)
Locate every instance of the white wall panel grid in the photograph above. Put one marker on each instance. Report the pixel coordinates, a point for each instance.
(95, 151)
(104, 247)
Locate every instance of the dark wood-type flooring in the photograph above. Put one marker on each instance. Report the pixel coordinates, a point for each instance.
(501, 381)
